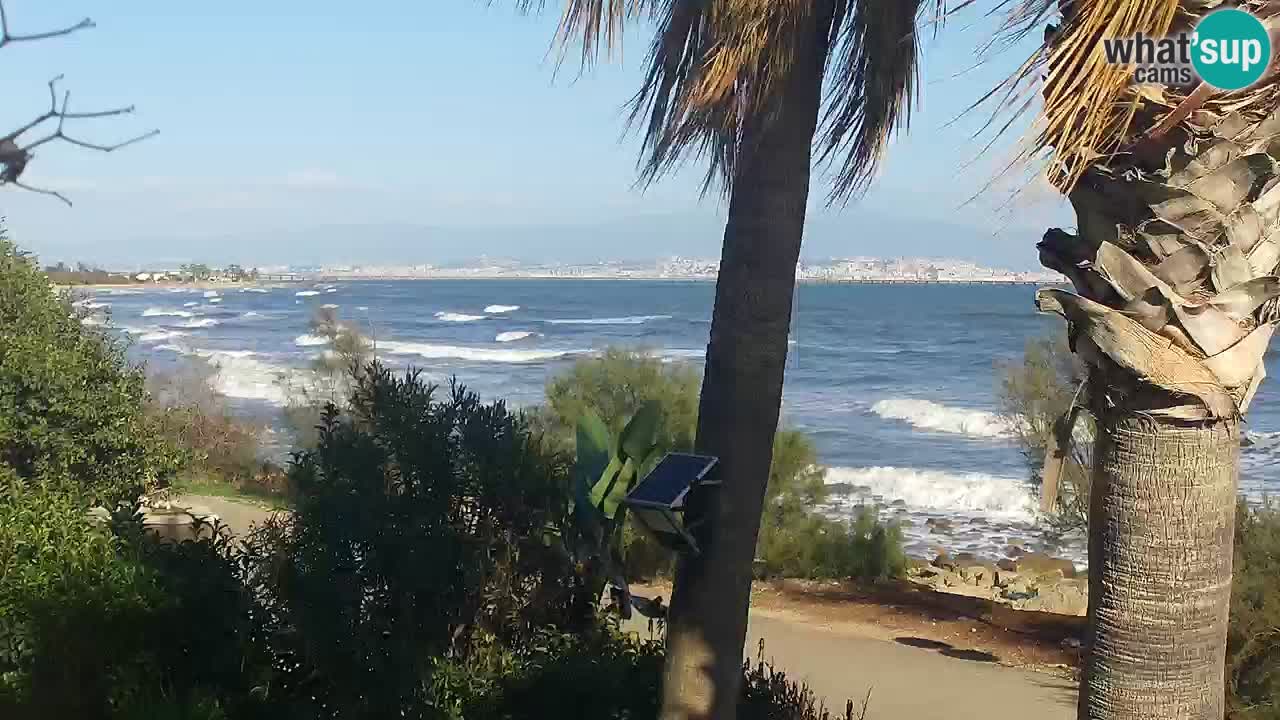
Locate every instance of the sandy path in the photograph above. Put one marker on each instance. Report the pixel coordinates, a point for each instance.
(909, 678)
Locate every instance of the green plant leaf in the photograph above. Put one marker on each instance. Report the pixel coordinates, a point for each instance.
(639, 435)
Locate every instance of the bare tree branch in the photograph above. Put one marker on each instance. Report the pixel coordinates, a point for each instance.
(42, 191)
(7, 37)
(14, 157)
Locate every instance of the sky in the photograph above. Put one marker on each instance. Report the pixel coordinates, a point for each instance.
(398, 131)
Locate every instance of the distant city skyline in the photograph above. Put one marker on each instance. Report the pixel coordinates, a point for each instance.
(424, 131)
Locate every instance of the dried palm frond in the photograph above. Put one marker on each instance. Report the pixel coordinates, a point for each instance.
(717, 68)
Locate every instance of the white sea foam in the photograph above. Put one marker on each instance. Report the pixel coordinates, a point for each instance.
(628, 320)
(171, 348)
(435, 352)
(160, 335)
(91, 305)
(211, 293)
(497, 309)
(306, 293)
(928, 415)
(513, 335)
(944, 492)
(329, 306)
(200, 323)
(457, 317)
(310, 340)
(215, 301)
(241, 374)
(165, 312)
(91, 320)
(190, 304)
(251, 314)
(670, 354)
(254, 290)
(362, 308)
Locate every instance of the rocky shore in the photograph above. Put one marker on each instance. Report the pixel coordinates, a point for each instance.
(1031, 581)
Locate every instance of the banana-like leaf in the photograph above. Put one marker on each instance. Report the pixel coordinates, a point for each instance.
(1149, 356)
(1240, 301)
(637, 438)
(592, 458)
(1237, 365)
(613, 494)
(607, 480)
(1231, 268)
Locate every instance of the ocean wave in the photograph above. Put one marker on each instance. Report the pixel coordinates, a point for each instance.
(200, 323)
(671, 354)
(250, 315)
(190, 304)
(215, 301)
(627, 320)
(254, 290)
(91, 305)
(928, 415)
(160, 335)
(91, 320)
(163, 312)
(211, 293)
(944, 492)
(331, 290)
(439, 352)
(306, 293)
(457, 317)
(329, 306)
(310, 340)
(497, 309)
(241, 374)
(513, 335)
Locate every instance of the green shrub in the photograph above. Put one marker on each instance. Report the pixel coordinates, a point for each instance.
(814, 547)
(329, 380)
(70, 405)
(1253, 638)
(418, 523)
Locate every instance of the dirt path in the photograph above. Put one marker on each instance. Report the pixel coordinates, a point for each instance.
(916, 668)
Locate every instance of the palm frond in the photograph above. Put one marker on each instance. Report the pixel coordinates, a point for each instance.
(873, 80)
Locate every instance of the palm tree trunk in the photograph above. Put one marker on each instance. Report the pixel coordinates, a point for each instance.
(742, 392)
(1160, 549)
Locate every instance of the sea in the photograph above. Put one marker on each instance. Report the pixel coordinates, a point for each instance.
(897, 385)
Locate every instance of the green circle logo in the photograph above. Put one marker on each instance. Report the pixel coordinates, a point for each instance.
(1231, 49)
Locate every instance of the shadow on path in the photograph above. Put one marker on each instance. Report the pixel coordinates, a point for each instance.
(947, 649)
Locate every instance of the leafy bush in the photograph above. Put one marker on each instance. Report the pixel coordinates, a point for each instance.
(1034, 394)
(418, 523)
(332, 377)
(1253, 638)
(70, 405)
(220, 446)
(794, 542)
(814, 547)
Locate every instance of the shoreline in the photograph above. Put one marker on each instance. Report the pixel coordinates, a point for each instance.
(290, 282)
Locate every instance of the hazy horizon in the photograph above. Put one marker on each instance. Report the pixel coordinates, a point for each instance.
(307, 133)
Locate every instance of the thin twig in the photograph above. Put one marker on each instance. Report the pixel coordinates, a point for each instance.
(6, 37)
(41, 191)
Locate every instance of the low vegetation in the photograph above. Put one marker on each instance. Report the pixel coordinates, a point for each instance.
(415, 577)
(795, 541)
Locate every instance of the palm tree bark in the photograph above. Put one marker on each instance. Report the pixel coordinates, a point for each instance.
(742, 391)
(1160, 550)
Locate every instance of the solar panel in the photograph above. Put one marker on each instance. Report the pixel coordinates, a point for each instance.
(667, 483)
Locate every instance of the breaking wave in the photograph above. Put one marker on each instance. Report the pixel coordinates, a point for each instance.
(190, 304)
(329, 306)
(159, 335)
(254, 290)
(514, 335)
(457, 317)
(200, 323)
(496, 309)
(306, 293)
(310, 340)
(163, 312)
(928, 415)
(943, 492)
(435, 352)
(211, 293)
(240, 374)
(627, 320)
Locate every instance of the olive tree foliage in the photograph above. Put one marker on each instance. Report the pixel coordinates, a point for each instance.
(71, 406)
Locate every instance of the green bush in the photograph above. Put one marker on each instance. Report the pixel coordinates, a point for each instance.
(1253, 638)
(70, 405)
(418, 523)
(794, 541)
(329, 380)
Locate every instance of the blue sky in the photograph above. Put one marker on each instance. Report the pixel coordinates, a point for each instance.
(397, 132)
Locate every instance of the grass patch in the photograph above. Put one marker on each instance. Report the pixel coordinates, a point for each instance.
(251, 494)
